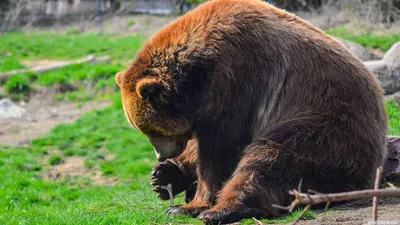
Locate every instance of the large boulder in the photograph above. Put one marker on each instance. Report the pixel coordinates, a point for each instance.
(387, 70)
(10, 110)
(392, 57)
(358, 50)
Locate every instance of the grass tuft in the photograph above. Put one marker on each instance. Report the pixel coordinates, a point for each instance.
(55, 160)
(18, 84)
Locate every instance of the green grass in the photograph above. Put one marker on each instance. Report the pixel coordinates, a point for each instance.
(79, 78)
(77, 74)
(18, 46)
(372, 41)
(131, 23)
(393, 110)
(56, 46)
(9, 63)
(55, 160)
(81, 82)
(17, 85)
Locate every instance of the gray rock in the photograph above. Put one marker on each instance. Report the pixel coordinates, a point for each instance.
(359, 51)
(387, 70)
(10, 110)
(393, 97)
(392, 57)
(379, 68)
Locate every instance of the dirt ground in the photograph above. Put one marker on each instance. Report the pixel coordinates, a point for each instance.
(74, 167)
(359, 212)
(46, 113)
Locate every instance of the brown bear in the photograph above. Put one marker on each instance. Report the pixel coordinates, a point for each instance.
(269, 99)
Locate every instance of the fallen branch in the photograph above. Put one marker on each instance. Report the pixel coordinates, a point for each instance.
(314, 198)
(42, 69)
(307, 199)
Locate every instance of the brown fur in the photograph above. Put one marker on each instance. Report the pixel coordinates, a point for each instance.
(270, 100)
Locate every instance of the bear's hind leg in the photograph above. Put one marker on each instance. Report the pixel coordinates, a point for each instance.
(262, 178)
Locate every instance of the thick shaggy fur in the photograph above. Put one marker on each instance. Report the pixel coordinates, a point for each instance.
(269, 99)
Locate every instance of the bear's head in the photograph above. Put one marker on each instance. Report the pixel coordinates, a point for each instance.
(159, 96)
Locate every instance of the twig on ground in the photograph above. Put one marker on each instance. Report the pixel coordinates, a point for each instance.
(375, 198)
(171, 194)
(391, 185)
(318, 193)
(327, 206)
(258, 222)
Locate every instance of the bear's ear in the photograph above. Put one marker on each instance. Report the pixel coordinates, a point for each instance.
(148, 88)
(118, 78)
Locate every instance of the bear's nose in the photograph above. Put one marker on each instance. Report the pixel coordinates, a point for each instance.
(118, 78)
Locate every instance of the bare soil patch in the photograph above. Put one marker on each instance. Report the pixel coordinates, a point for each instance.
(41, 62)
(46, 113)
(73, 167)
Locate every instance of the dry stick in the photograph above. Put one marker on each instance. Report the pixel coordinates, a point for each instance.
(327, 206)
(318, 193)
(171, 194)
(391, 185)
(258, 222)
(305, 199)
(375, 198)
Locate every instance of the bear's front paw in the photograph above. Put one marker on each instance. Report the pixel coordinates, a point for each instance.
(168, 172)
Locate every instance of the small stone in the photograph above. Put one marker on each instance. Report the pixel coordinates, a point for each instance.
(10, 110)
